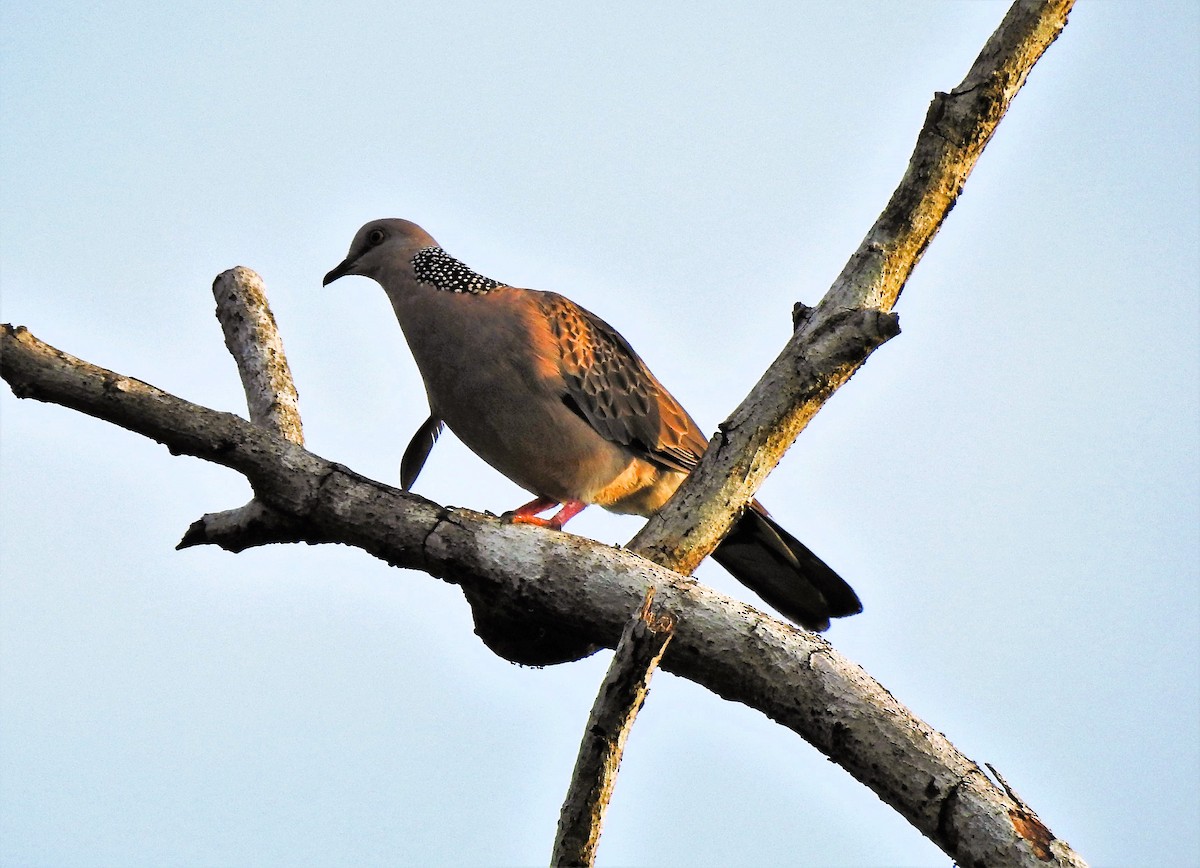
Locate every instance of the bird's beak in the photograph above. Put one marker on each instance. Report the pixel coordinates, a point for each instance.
(341, 271)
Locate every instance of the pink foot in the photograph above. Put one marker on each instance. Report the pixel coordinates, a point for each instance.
(528, 514)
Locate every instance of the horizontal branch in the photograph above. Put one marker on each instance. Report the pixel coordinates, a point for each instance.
(565, 585)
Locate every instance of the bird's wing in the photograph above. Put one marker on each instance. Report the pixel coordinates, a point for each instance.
(610, 388)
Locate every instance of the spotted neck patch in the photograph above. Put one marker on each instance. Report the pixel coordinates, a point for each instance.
(442, 271)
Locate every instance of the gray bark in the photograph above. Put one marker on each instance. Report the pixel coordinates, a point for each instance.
(572, 595)
(555, 584)
(617, 704)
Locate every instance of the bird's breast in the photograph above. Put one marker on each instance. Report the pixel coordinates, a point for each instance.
(492, 373)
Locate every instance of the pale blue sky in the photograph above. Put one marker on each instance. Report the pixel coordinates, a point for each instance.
(1011, 485)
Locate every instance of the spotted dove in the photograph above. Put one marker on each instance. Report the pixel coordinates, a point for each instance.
(555, 399)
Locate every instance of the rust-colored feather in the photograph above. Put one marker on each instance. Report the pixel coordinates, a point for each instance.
(611, 388)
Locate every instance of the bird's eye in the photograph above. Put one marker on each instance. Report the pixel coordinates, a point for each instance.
(375, 237)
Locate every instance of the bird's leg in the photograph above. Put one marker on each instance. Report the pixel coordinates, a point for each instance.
(528, 514)
(524, 514)
(569, 510)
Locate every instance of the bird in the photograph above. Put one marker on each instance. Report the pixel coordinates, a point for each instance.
(555, 399)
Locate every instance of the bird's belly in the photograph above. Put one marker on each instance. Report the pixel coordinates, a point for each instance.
(541, 453)
(644, 495)
(515, 423)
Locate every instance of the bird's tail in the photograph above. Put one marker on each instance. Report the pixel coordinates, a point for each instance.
(779, 568)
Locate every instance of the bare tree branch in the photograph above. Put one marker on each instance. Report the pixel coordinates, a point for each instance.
(576, 593)
(253, 340)
(617, 704)
(567, 585)
(816, 362)
(833, 340)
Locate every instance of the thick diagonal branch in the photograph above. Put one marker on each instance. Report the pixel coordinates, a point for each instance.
(833, 341)
(750, 443)
(589, 590)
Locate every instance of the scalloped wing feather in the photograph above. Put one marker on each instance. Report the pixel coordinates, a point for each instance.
(611, 388)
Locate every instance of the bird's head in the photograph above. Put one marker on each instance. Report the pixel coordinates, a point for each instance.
(381, 246)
